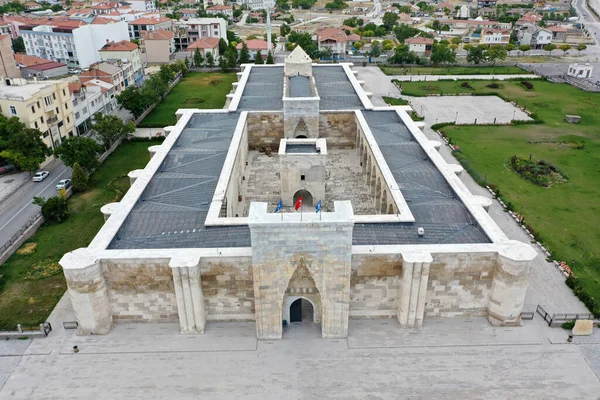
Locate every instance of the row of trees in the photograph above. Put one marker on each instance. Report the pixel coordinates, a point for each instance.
(138, 99)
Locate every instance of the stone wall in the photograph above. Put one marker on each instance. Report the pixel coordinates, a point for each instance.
(228, 288)
(235, 179)
(460, 284)
(264, 129)
(375, 286)
(140, 291)
(339, 129)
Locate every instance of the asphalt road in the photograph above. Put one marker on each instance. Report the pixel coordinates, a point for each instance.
(17, 209)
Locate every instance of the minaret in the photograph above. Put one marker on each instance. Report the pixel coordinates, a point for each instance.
(269, 29)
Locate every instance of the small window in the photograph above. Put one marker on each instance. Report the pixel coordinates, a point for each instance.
(302, 177)
(54, 96)
(64, 93)
(35, 124)
(57, 110)
(68, 120)
(77, 115)
(33, 109)
(46, 134)
(42, 119)
(66, 106)
(38, 104)
(13, 110)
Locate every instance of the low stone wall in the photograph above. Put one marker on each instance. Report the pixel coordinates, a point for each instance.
(264, 129)
(339, 129)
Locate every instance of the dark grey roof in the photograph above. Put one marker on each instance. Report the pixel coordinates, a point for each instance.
(171, 211)
(430, 198)
(264, 90)
(297, 148)
(335, 89)
(299, 86)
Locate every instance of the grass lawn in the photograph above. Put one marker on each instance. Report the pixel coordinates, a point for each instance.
(566, 215)
(458, 70)
(393, 101)
(512, 90)
(31, 284)
(196, 90)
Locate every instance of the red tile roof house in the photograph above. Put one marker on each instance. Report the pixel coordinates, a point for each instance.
(337, 40)
(205, 45)
(254, 46)
(40, 67)
(422, 46)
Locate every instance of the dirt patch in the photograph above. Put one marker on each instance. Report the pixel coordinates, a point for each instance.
(43, 269)
(27, 248)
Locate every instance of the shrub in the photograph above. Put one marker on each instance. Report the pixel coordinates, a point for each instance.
(568, 325)
(54, 209)
(528, 85)
(194, 100)
(493, 86)
(590, 302)
(79, 179)
(466, 85)
(540, 172)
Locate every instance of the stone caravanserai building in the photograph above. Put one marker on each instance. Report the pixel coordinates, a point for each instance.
(196, 238)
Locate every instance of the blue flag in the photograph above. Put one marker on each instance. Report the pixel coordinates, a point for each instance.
(318, 206)
(279, 206)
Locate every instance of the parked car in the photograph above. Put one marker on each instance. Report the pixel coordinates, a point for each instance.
(63, 184)
(40, 176)
(5, 169)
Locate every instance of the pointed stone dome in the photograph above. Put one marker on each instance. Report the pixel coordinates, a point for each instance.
(298, 63)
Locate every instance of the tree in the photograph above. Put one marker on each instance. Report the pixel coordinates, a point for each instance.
(476, 54)
(187, 62)
(210, 60)
(258, 58)
(270, 59)
(441, 54)
(131, 99)
(18, 45)
(375, 50)
(565, 48)
(402, 55)
(524, 48)
(510, 47)
(336, 5)
(456, 40)
(284, 29)
(21, 145)
(581, 47)
(79, 179)
(110, 128)
(549, 47)
(54, 209)
(222, 46)
(454, 47)
(389, 20)
(357, 45)
(244, 54)
(79, 150)
(198, 59)
(496, 52)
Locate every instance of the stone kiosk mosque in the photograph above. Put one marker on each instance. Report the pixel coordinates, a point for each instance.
(196, 238)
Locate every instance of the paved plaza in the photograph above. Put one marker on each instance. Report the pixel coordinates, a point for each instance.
(460, 358)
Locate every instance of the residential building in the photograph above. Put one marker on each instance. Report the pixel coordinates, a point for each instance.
(495, 36)
(421, 46)
(142, 5)
(112, 74)
(220, 9)
(39, 67)
(463, 12)
(337, 40)
(74, 42)
(127, 56)
(187, 32)
(528, 20)
(148, 24)
(486, 3)
(486, 12)
(45, 106)
(8, 64)
(254, 46)
(5, 28)
(108, 94)
(559, 33)
(87, 101)
(205, 46)
(187, 13)
(537, 38)
(157, 46)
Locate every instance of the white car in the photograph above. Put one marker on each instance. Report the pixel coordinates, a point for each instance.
(63, 184)
(40, 176)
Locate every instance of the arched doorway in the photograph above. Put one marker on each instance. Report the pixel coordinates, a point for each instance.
(302, 310)
(307, 199)
(301, 131)
(301, 137)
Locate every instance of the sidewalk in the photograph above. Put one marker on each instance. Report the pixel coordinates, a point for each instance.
(408, 78)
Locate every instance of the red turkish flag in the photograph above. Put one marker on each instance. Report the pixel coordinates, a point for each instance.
(298, 203)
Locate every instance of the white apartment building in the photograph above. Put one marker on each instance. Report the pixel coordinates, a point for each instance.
(87, 101)
(126, 55)
(187, 32)
(73, 42)
(495, 36)
(142, 5)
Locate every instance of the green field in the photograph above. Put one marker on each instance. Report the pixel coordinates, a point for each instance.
(566, 215)
(32, 284)
(197, 90)
(475, 70)
(510, 90)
